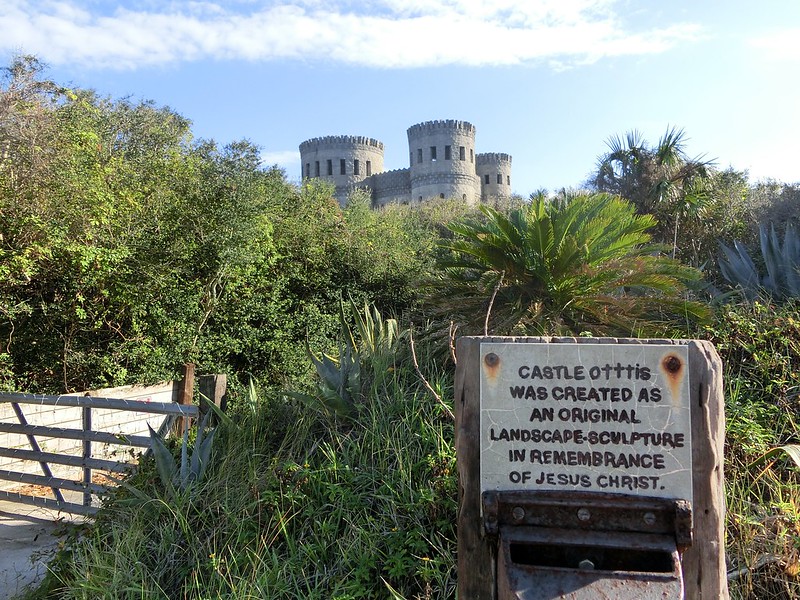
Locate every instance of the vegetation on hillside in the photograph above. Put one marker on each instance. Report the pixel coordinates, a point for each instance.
(128, 248)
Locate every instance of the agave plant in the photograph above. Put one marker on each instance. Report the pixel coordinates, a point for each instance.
(182, 477)
(781, 261)
(340, 379)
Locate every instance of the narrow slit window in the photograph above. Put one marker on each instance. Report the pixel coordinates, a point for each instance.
(343, 167)
(500, 179)
(508, 179)
(471, 155)
(330, 167)
(369, 168)
(433, 152)
(316, 168)
(308, 170)
(448, 152)
(462, 153)
(486, 179)
(356, 167)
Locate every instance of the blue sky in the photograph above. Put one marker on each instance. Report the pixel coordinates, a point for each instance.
(547, 81)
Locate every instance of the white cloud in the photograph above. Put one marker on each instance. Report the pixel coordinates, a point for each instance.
(394, 34)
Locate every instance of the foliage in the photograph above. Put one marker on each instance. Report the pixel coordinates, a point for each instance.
(341, 385)
(760, 349)
(780, 282)
(694, 205)
(773, 202)
(569, 264)
(129, 248)
(291, 508)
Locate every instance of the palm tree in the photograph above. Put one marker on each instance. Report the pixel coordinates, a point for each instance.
(661, 180)
(580, 262)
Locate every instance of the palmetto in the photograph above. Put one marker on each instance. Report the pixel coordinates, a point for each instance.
(579, 262)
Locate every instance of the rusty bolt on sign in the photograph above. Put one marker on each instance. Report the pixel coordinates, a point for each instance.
(649, 518)
(584, 514)
(518, 513)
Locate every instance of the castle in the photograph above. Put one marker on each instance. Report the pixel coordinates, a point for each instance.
(442, 164)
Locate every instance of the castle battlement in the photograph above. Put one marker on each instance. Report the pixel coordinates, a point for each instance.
(340, 141)
(443, 163)
(434, 126)
(492, 158)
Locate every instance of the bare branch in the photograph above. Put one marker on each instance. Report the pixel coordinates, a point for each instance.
(491, 303)
(422, 377)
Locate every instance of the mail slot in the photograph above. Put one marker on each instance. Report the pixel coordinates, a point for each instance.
(587, 545)
(537, 563)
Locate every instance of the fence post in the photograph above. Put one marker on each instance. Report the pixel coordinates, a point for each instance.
(185, 395)
(86, 414)
(213, 389)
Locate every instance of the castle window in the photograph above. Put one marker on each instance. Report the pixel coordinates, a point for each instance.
(316, 169)
(420, 198)
(447, 153)
(464, 197)
(369, 168)
(462, 154)
(330, 167)
(486, 179)
(471, 155)
(500, 179)
(508, 179)
(441, 196)
(410, 158)
(342, 167)
(419, 155)
(433, 152)
(308, 170)
(356, 167)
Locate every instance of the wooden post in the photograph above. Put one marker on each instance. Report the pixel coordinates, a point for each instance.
(476, 554)
(86, 414)
(186, 395)
(704, 570)
(703, 563)
(213, 388)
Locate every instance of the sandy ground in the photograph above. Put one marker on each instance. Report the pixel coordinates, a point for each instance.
(28, 536)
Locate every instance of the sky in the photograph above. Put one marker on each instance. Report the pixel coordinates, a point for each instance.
(547, 81)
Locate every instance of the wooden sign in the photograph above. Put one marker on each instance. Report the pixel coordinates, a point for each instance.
(608, 418)
(655, 406)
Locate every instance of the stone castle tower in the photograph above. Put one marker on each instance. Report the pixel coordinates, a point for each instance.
(443, 163)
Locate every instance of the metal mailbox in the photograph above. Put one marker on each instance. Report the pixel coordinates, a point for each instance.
(587, 545)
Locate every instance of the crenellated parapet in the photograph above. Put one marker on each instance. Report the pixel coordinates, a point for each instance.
(492, 158)
(343, 142)
(432, 127)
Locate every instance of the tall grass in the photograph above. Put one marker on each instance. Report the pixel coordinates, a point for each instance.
(760, 347)
(295, 505)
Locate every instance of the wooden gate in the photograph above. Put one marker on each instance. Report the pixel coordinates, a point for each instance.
(91, 449)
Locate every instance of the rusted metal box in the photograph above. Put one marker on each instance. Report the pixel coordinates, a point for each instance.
(587, 545)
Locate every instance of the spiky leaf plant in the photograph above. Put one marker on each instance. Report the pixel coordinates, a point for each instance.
(579, 262)
(781, 263)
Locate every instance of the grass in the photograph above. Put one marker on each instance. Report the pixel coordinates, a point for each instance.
(296, 504)
(299, 503)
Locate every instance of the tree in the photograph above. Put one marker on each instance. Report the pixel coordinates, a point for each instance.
(662, 180)
(579, 262)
